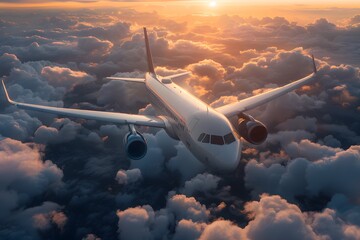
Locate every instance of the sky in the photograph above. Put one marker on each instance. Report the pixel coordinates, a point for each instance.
(64, 178)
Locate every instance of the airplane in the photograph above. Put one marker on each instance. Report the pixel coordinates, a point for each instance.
(213, 135)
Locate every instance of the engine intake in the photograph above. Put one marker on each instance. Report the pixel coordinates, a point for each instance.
(135, 145)
(252, 130)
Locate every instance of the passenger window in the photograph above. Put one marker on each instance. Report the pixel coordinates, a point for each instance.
(201, 137)
(206, 139)
(218, 140)
(229, 138)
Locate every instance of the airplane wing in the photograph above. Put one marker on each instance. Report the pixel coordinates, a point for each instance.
(113, 117)
(235, 108)
(136, 80)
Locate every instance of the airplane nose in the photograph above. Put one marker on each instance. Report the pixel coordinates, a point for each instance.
(229, 159)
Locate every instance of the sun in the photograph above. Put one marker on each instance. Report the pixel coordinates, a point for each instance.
(212, 4)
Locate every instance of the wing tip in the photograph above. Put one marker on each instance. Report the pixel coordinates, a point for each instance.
(6, 92)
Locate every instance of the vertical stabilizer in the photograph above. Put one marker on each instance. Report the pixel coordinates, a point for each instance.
(148, 54)
(314, 64)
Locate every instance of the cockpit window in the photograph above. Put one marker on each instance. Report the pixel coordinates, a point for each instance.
(229, 138)
(206, 139)
(218, 140)
(201, 137)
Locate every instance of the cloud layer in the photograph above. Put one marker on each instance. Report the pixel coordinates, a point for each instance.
(70, 178)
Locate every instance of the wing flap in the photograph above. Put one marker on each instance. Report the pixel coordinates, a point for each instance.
(119, 118)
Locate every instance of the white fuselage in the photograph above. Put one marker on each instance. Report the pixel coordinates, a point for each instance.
(192, 121)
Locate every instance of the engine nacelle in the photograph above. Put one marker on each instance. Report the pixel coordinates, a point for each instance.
(135, 145)
(252, 130)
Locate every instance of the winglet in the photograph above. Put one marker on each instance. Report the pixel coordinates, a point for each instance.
(314, 65)
(6, 93)
(148, 53)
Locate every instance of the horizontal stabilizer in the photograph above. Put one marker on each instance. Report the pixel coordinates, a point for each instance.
(179, 75)
(137, 80)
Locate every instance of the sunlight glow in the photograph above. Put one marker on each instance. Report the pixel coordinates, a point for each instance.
(212, 4)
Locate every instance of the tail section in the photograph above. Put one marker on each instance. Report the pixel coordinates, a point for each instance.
(148, 54)
(314, 65)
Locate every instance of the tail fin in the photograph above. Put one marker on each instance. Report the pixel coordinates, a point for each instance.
(148, 54)
(314, 65)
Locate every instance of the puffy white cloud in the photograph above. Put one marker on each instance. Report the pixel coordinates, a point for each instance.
(274, 218)
(185, 163)
(128, 176)
(187, 208)
(187, 229)
(222, 229)
(61, 130)
(134, 223)
(142, 223)
(309, 150)
(43, 221)
(23, 176)
(64, 77)
(18, 125)
(344, 165)
(7, 62)
(301, 176)
(200, 183)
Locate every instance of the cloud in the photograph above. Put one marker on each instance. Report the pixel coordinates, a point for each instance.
(309, 150)
(7, 62)
(64, 77)
(187, 208)
(18, 125)
(222, 229)
(61, 130)
(128, 176)
(274, 218)
(185, 163)
(25, 176)
(201, 183)
(309, 162)
(303, 177)
(133, 223)
(187, 229)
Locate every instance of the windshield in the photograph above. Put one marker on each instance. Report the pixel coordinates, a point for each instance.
(216, 139)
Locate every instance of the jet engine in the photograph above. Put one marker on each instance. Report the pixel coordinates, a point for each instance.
(251, 130)
(135, 145)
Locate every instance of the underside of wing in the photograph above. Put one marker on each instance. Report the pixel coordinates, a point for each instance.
(113, 117)
(136, 80)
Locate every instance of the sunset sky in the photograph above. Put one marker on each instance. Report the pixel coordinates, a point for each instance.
(300, 11)
(64, 178)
